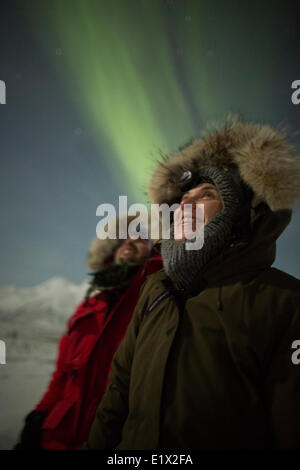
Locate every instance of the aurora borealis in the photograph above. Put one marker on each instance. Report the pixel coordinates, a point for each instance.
(129, 104)
(150, 73)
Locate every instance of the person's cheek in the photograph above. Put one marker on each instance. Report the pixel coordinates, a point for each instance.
(177, 223)
(208, 212)
(211, 210)
(177, 216)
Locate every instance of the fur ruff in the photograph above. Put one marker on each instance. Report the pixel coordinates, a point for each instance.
(101, 250)
(266, 162)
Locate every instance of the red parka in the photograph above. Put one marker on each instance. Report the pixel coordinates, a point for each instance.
(84, 363)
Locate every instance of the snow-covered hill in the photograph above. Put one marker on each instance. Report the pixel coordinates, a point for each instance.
(43, 309)
(31, 322)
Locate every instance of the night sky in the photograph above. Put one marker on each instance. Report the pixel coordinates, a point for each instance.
(95, 88)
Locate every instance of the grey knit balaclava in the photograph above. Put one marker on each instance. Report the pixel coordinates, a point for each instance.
(232, 223)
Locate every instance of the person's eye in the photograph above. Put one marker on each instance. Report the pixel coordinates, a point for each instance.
(207, 194)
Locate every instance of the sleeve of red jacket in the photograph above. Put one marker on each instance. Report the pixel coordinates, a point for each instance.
(107, 427)
(54, 389)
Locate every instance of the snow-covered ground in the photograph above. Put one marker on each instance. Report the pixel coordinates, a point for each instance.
(31, 322)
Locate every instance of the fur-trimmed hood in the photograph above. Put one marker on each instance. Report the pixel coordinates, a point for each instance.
(266, 162)
(101, 250)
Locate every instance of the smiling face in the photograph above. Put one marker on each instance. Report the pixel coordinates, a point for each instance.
(132, 251)
(205, 194)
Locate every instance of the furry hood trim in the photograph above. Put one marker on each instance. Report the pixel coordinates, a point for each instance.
(265, 160)
(101, 250)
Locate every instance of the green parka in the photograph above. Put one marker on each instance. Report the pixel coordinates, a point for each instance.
(212, 371)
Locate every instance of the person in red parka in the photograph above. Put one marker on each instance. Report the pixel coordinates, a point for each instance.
(63, 417)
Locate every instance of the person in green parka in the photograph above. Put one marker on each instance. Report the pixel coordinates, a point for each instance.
(206, 362)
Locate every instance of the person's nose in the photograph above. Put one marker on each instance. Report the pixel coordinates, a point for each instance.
(188, 199)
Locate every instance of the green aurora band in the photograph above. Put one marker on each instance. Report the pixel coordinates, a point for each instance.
(148, 74)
